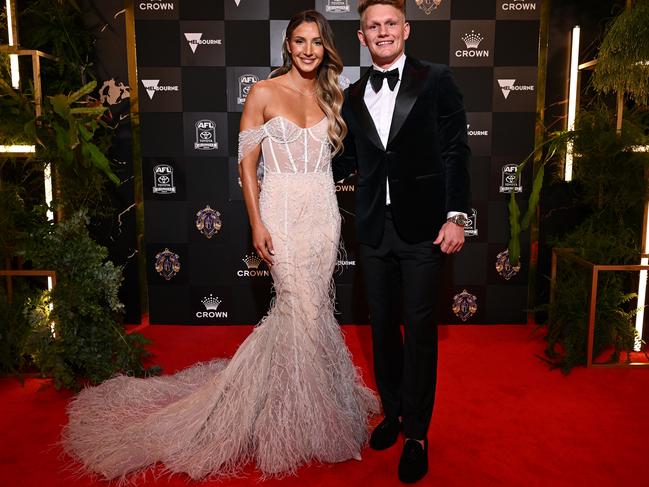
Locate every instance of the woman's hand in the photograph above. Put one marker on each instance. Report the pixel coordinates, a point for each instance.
(263, 243)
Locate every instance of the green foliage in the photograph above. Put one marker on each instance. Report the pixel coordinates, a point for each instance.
(624, 54)
(568, 330)
(56, 27)
(555, 143)
(15, 113)
(69, 131)
(14, 328)
(612, 184)
(88, 340)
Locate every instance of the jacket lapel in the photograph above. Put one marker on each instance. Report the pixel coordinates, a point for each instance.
(412, 82)
(356, 94)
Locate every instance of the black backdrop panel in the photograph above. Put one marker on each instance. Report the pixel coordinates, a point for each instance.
(196, 63)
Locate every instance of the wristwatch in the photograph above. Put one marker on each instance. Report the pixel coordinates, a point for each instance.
(460, 220)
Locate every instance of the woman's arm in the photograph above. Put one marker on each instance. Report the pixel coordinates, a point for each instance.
(253, 117)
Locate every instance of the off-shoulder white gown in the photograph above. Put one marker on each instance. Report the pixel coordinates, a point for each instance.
(290, 394)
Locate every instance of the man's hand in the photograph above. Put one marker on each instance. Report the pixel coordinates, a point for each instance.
(450, 238)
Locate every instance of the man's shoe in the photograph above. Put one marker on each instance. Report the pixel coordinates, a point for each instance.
(414, 461)
(385, 434)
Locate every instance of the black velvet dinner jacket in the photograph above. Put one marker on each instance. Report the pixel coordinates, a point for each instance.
(426, 159)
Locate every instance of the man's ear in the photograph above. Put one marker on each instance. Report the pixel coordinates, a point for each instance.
(406, 30)
(361, 37)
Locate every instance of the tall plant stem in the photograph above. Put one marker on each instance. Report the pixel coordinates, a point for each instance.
(539, 134)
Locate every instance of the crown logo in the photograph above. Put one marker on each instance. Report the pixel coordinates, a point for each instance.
(211, 303)
(252, 261)
(472, 40)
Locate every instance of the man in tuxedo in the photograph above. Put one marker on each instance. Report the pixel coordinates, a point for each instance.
(407, 141)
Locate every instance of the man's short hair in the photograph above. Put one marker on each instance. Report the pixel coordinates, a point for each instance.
(363, 5)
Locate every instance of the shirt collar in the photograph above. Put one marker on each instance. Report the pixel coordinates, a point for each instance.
(399, 63)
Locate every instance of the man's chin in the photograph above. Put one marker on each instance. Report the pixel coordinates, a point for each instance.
(384, 58)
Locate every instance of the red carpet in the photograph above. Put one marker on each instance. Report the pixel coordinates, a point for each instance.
(501, 418)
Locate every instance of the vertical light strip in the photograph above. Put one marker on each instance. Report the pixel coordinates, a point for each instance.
(13, 58)
(47, 177)
(572, 98)
(642, 295)
(642, 283)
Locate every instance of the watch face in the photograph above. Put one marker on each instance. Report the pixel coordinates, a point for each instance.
(459, 220)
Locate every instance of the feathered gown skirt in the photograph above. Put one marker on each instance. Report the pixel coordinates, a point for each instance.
(290, 394)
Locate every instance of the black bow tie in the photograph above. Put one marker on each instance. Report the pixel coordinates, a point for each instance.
(376, 79)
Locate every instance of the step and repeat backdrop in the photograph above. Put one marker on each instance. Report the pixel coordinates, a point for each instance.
(197, 60)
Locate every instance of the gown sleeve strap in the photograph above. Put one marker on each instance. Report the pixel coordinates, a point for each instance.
(250, 139)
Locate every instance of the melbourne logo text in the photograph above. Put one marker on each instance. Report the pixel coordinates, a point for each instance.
(195, 40)
(509, 85)
(153, 85)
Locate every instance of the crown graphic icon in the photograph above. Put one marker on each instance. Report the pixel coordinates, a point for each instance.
(472, 40)
(252, 261)
(211, 303)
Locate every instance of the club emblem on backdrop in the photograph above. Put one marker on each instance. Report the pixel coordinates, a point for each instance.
(510, 180)
(471, 227)
(504, 267)
(428, 5)
(464, 305)
(245, 84)
(167, 264)
(163, 179)
(205, 135)
(208, 221)
(338, 6)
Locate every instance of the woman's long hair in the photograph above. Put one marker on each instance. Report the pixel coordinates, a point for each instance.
(328, 92)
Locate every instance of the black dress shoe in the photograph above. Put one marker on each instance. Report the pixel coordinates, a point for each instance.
(385, 434)
(414, 461)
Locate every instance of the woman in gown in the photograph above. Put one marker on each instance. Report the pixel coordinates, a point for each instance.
(291, 394)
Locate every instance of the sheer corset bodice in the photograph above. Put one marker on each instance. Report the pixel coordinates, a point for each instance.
(288, 148)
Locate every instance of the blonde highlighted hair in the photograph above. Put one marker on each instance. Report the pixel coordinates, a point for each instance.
(363, 5)
(328, 92)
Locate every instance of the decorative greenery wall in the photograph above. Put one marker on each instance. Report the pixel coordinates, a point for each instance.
(83, 335)
(75, 333)
(610, 185)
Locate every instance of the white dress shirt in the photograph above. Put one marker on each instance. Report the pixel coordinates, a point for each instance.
(381, 106)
